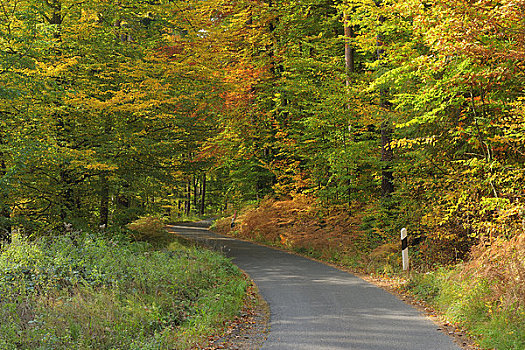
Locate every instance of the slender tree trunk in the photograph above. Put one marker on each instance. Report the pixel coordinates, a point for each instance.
(195, 192)
(387, 155)
(387, 176)
(5, 212)
(55, 15)
(349, 50)
(187, 208)
(123, 201)
(68, 194)
(203, 193)
(104, 183)
(349, 70)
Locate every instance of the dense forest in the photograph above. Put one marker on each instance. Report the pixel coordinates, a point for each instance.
(381, 114)
(115, 109)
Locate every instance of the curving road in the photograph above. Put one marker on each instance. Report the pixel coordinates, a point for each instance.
(315, 306)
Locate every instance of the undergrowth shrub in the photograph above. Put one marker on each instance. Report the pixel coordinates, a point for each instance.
(147, 228)
(302, 225)
(81, 291)
(222, 225)
(386, 258)
(501, 261)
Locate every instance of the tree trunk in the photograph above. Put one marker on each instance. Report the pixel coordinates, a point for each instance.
(5, 211)
(195, 192)
(187, 207)
(70, 200)
(123, 202)
(349, 60)
(349, 50)
(387, 155)
(387, 176)
(203, 193)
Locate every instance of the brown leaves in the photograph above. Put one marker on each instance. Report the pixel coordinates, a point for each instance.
(246, 331)
(299, 223)
(502, 263)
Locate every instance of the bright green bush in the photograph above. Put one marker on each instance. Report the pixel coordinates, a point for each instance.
(85, 292)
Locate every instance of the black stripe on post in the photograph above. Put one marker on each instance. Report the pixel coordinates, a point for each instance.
(404, 243)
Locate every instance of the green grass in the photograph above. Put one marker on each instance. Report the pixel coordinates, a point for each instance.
(87, 292)
(469, 302)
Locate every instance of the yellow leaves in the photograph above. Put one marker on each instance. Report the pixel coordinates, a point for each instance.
(88, 15)
(85, 26)
(519, 108)
(119, 98)
(412, 143)
(479, 30)
(59, 68)
(89, 159)
(95, 166)
(125, 100)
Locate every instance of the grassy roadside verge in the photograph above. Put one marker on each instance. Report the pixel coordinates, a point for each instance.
(485, 295)
(471, 303)
(82, 291)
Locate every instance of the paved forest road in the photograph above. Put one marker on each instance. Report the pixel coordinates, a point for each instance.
(314, 306)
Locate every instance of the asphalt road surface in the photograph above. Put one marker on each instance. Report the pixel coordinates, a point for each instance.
(315, 306)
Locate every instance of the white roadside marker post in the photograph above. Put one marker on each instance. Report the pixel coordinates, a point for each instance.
(404, 248)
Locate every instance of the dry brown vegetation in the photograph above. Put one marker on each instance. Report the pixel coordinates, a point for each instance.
(300, 224)
(502, 263)
(329, 233)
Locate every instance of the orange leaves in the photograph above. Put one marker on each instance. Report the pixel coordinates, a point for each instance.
(240, 80)
(171, 51)
(299, 223)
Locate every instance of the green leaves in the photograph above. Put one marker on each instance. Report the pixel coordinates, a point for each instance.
(88, 95)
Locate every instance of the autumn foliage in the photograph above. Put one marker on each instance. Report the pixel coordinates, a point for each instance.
(299, 224)
(362, 116)
(502, 263)
(147, 228)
